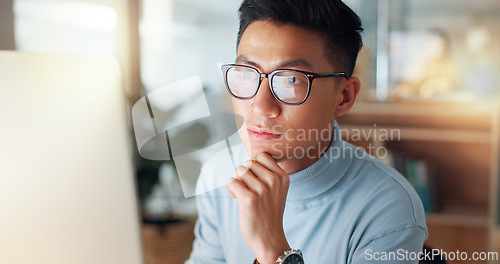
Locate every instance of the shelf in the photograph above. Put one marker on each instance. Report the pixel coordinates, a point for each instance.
(472, 215)
(424, 109)
(478, 117)
(428, 134)
(449, 219)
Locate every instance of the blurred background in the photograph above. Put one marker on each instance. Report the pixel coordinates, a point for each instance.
(430, 69)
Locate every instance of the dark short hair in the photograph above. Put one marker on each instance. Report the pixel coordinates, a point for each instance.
(336, 22)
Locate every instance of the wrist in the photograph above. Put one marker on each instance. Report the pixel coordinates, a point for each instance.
(270, 255)
(292, 256)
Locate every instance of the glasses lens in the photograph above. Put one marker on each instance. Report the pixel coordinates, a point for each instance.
(242, 81)
(290, 86)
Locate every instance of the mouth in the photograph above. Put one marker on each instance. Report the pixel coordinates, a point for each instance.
(263, 133)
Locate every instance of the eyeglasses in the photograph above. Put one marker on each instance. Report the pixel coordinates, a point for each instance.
(290, 87)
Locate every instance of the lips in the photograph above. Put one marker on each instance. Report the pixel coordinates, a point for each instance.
(263, 133)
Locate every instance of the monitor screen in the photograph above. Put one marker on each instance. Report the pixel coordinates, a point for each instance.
(67, 188)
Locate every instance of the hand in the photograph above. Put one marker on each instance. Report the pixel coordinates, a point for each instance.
(260, 189)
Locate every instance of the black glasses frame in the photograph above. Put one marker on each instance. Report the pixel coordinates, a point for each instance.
(310, 76)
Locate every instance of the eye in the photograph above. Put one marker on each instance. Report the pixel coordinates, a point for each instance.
(292, 80)
(247, 75)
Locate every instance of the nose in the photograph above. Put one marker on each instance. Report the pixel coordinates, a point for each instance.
(263, 103)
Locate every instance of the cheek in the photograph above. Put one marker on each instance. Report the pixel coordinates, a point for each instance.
(326, 106)
(241, 106)
(315, 114)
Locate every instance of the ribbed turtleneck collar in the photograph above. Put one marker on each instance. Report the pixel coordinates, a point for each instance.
(311, 184)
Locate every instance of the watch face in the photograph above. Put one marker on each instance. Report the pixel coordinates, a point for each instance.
(293, 259)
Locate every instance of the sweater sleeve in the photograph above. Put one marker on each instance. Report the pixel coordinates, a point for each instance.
(392, 226)
(402, 246)
(207, 247)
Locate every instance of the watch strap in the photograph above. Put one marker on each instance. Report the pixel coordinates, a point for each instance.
(282, 257)
(287, 253)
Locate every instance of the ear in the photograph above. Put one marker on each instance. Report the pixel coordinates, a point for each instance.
(349, 91)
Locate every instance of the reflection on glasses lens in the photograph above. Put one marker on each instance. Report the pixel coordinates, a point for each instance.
(242, 82)
(290, 87)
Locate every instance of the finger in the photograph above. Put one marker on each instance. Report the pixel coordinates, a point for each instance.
(252, 182)
(229, 189)
(238, 189)
(266, 160)
(262, 173)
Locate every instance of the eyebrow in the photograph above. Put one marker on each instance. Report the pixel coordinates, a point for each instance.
(286, 64)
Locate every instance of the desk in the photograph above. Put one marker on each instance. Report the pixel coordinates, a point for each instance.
(168, 242)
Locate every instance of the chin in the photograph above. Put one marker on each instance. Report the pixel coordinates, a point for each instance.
(271, 148)
(275, 149)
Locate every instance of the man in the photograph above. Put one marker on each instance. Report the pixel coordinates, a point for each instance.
(301, 196)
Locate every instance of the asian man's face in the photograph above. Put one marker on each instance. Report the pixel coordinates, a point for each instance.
(293, 134)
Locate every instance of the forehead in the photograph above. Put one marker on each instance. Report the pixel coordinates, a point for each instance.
(270, 45)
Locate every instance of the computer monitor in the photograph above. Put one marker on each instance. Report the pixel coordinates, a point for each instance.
(67, 190)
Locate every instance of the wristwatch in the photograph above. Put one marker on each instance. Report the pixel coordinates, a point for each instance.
(293, 256)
